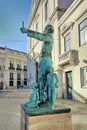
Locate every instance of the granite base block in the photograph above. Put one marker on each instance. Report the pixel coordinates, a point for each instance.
(59, 119)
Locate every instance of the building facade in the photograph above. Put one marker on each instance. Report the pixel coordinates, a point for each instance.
(72, 59)
(13, 68)
(70, 37)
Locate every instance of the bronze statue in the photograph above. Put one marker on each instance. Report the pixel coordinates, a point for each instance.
(45, 61)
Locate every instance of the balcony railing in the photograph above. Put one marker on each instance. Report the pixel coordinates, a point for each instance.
(18, 69)
(11, 78)
(25, 79)
(11, 68)
(68, 57)
(25, 69)
(18, 78)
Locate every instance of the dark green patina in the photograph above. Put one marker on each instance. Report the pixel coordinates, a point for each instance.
(47, 79)
(45, 111)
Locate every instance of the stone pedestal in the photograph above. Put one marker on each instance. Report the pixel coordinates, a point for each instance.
(45, 119)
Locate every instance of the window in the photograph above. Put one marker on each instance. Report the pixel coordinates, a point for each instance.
(25, 75)
(18, 65)
(18, 79)
(67, 44)
(25, 67)
(11, 83)
(11, 76)
(18, 76)
(46, 10)
(83, 75)
(25, 78)
(11, 65)
(83, 32)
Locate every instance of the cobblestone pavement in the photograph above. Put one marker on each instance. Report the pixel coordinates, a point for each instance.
(10, 113)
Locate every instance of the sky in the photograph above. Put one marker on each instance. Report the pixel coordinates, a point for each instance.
(12, 13)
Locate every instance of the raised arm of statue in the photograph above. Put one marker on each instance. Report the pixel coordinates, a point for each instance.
(37, 35)
(46, 37)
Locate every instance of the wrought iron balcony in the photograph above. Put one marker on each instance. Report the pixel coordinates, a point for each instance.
(25, 69)
(18, 69)
(25, 78)
(18, 78)
(11, 68)
(68, 57)
(11, 78)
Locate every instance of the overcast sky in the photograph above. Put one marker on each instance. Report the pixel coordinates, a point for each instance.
(12, 13)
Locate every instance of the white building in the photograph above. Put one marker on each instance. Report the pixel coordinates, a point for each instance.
(69, 50)
(13, 68)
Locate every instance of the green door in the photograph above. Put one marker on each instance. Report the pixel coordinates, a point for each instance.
(69, 84)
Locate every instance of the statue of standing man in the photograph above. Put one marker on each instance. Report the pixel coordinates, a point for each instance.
(45, 61)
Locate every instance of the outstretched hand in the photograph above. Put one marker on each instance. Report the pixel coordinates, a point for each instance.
(23, 30)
